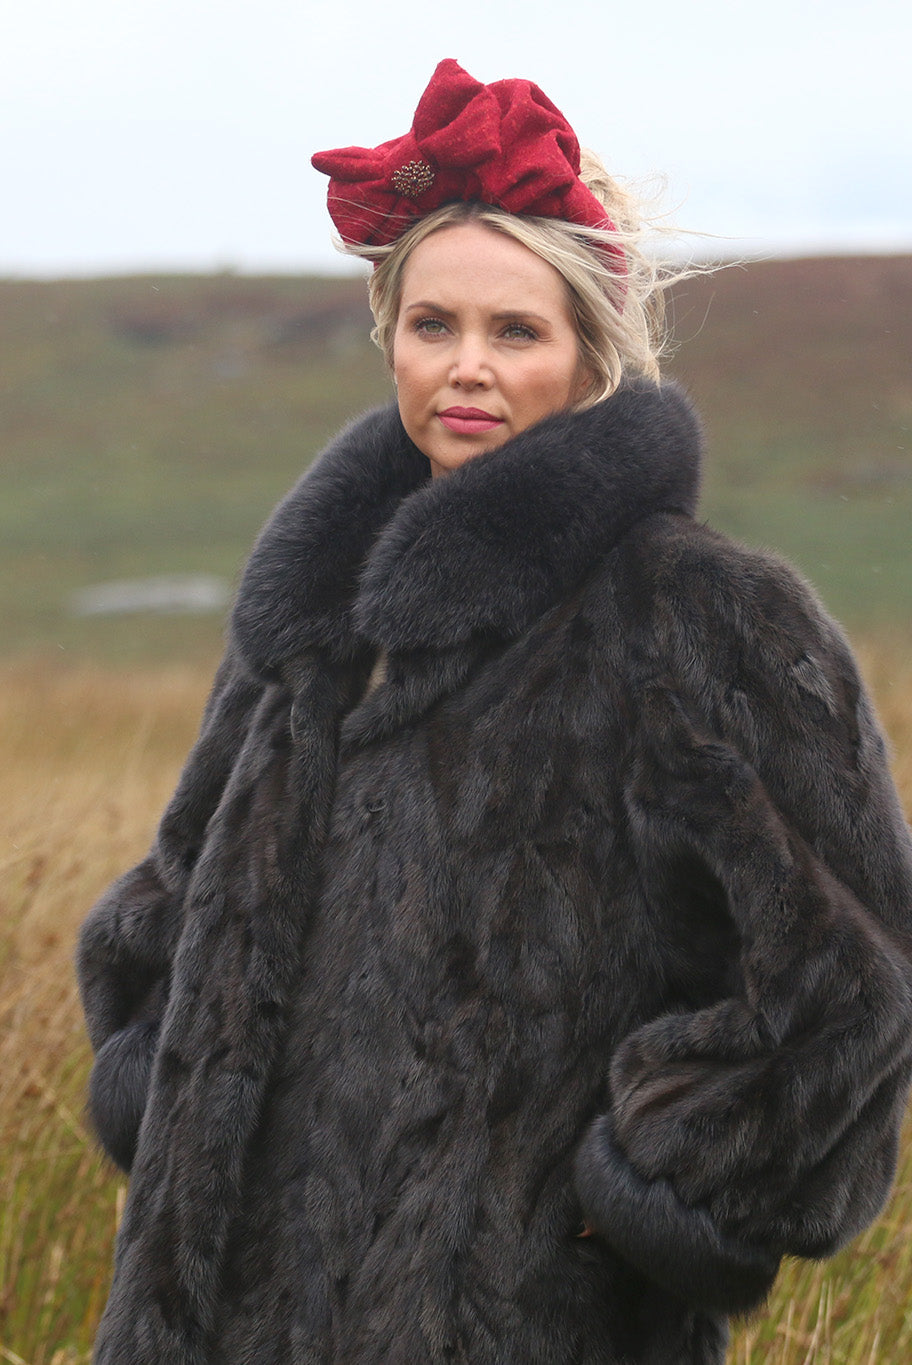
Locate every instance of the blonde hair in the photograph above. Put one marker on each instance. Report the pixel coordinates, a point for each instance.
(614, 288)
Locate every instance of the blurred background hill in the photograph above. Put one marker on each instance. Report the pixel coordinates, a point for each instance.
(149, 424)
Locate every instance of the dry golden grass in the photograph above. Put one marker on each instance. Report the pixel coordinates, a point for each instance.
(90, 758)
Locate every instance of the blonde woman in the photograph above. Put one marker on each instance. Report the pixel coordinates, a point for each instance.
(522, 965)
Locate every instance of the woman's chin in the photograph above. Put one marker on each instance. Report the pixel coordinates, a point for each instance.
(447, 456)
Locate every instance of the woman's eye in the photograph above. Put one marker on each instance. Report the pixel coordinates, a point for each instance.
(519, 331)
(430, 326)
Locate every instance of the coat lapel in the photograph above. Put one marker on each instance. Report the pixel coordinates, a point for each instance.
(369, 554)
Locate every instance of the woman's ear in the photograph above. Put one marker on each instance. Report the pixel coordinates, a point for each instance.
(583, 384)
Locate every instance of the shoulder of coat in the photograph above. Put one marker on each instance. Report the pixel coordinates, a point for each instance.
(685, 585)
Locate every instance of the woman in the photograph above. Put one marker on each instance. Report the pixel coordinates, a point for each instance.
(522, 965)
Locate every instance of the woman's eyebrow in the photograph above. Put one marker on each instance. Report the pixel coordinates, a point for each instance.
(502, 315)
(428, 306)
(524, 313)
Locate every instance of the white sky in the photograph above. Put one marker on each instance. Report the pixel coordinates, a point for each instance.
(148, 134)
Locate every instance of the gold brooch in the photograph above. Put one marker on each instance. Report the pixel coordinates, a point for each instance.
(413, 179)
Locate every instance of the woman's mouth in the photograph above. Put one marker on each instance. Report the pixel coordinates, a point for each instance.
(469, 421)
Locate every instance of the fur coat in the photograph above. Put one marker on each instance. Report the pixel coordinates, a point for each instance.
(527, 1005)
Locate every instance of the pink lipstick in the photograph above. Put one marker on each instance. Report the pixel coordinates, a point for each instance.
(469, 421)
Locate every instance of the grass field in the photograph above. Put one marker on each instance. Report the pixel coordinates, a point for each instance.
(91, 755)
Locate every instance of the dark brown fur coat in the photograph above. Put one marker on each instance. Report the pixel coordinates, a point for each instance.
(596, 908)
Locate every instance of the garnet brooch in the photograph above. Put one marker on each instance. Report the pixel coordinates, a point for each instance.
(413, 179)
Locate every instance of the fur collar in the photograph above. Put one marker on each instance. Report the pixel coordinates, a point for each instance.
(368, 552)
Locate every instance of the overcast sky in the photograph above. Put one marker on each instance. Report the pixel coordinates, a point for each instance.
(150, 134)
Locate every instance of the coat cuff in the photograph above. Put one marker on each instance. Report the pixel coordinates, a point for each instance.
(119, 1089)
(679, 1247)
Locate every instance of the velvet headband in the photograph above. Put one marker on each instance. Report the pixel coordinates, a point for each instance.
(504, 144)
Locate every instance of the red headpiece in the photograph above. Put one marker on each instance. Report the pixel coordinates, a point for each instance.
(504, 144)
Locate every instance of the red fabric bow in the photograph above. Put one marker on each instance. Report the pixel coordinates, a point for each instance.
(504, 144)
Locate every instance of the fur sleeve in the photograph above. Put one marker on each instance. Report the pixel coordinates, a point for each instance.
(127, 943)
(768, 1122)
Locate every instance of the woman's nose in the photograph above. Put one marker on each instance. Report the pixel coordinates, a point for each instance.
(471, 365)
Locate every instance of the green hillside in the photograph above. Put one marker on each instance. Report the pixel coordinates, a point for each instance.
(148, 425)
(803, 372)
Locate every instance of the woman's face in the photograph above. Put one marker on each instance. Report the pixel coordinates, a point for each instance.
(484, 346)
